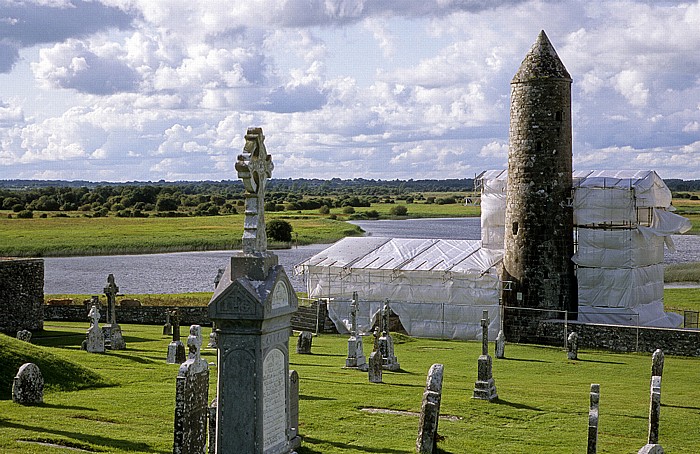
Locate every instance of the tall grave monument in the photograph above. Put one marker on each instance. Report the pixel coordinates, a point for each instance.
(485, 386)
(252, 308)
(356, 355)
(111, 329)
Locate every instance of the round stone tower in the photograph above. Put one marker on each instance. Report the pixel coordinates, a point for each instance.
(539, 218)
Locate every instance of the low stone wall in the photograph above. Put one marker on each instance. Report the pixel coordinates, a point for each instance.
(621, 338)
(146, 315)
(21, 295)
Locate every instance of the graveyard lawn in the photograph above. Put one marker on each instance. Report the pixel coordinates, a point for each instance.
(543, 404)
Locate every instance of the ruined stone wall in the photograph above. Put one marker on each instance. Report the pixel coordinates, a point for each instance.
(21, 295)
(623, 339)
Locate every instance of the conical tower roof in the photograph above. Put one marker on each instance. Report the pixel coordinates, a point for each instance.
(542, 62)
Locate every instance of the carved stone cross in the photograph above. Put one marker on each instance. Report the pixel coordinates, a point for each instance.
(353, 314)
(385, 318)
(485, 333)
(94, 315)
(175, 320)
(194, 343)
(111, 293)
(254, 167)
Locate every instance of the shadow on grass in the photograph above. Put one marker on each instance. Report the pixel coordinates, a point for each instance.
(525, 360)
(136, 359)
(599, 361)
(65, 407)
(516, 405)
(305, 397)
(313, 441)
(680, 406)
(319, 354)
(84, 438)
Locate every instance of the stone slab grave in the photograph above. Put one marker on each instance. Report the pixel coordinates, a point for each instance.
(252, 308)
(28, 385)
(95, 338)
(304, 342)
(572, 346)
(430, 411)
(593, 418)
(168, 326)
(374, 371)
(112, 331)
(356, 355)
(176, 349)
(191, 398)
(501, 345)
(385, 343)
(24, 335)
(485, 386)
(657, 369)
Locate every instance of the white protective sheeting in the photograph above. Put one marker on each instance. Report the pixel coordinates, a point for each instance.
(651, 314)
(620, 287)
(438, 288)
(619, 248)
(493, 208)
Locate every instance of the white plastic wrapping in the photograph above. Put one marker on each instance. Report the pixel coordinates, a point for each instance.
(620, 287)
(620, 248)
(493, 208)
(651, 314)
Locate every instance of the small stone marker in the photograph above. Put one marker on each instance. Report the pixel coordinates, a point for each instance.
(95, 341)
(485, 386)
(24, 335)
(112, 331)
(252, 308)
(593, 414)
(212, 426)
(294, 438)
(385, 343)
(191, 395)
(653, 446)
(168, 327)
(213, 338)
(501, 345)
(176, 349)
(356, 355)
(304, 343)
(28, 385)
(375, 367)
(430, 411)
(572, 346)
(657, 363)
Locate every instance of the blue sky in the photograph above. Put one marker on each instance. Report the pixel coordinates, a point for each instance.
(122, 90)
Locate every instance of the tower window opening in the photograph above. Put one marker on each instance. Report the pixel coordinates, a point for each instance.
(515, 228)
(538, 146)
(558, 116)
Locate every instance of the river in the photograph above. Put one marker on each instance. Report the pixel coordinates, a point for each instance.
(182, 272)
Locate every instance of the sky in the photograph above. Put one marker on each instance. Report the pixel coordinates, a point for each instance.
(149, 90)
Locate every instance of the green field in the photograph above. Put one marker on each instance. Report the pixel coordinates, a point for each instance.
(127, 402)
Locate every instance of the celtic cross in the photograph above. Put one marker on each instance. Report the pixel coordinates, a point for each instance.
(111, 293)
(254, 167)
(194, 343)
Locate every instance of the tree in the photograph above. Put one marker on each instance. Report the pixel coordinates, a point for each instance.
(398, 210)
(167, 203)
(279, 230)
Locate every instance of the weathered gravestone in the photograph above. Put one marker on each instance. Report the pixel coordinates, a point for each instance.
(572, 346)
(485, 386)
(356, 355)
(112, 331)
(168, 327)
(28, 385)
(500, 345)
(24, 335)
(295, 439)
(252, 308)
(653, 445)
(385, 343)
(304, 343)
(95, 339)
(191, 395)
(593, 415)
(176, 349)
(430, 411)
(657, 363)
(212, 426)
(375, 367)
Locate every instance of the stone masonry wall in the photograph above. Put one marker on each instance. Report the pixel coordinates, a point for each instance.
(21, 295)
(620, 338)
(146, 315)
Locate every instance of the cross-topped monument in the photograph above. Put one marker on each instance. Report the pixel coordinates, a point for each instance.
(110, 292)
(485, 386)
(254, 167)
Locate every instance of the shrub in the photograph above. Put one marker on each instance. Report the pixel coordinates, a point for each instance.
(398, 210)
(279, 230)
(324, 209)
(373, 214)
(348, 210)
(25, 214)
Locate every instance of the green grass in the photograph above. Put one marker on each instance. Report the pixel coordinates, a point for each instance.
(111, 235)
(543, 406)
(682, 272)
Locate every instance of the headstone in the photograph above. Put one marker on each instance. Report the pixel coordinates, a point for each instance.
(252, 308)
(430, 411)
(651, 449)
(654, 410)
(572, 346)
(356, 355)
(304, 343)
(95, 341)
(212, 426)
(593, 415)
(213, 338)
(28, 385)
(112, 331)
(501, 345)
(191, 395)
(485, 386)
(375, 367)
(295, 439)
(168, 327)
(657, 363)
(176, 349)
(385, 343)
(24, 335)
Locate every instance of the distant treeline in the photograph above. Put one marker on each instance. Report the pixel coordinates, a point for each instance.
(209, 198)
